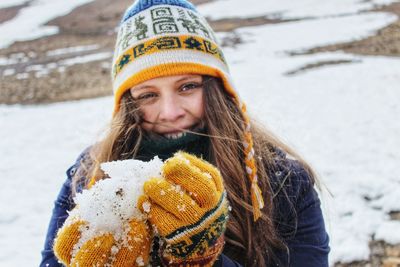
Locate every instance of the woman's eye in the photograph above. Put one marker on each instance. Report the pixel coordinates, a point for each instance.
(190, 86)
(146, 96)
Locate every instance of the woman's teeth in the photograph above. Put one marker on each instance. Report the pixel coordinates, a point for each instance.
(174, 135)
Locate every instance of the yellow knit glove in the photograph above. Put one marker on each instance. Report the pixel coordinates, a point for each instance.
(189, 210)
(71, 248)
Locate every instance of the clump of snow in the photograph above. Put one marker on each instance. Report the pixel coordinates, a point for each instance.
(86, 58)
(22, 76)
(389, 231)
(41, 69)
(146, 206)
(139, 261)
(180, 157)
(36, 67)
(42, 73)
(7, 61)
(74, 49)
(110, 204)
(8, 72)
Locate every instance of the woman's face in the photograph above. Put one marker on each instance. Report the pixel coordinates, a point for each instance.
(171, 104)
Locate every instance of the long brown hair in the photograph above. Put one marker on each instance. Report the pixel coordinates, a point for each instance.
(225, 126)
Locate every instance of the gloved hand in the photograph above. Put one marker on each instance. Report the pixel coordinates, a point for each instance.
(73, 248)
(189, 209)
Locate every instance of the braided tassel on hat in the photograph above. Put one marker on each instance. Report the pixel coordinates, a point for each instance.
(251, 168)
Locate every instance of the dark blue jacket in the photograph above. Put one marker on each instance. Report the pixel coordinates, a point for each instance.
(298, 213)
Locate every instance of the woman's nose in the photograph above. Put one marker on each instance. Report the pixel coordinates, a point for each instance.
(170, 109)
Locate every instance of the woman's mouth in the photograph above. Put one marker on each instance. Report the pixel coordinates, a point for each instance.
(182, 132)
(174, 135)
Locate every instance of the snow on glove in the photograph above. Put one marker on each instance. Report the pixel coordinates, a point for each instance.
(189, 210)
(106, 228)
(76, 246)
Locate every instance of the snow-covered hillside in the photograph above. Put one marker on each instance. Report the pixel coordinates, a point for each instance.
(343, 118)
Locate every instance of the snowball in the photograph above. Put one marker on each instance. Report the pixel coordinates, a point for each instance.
(110, 203)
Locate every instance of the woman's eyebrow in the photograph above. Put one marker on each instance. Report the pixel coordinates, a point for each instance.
(186, 78)
(141, 87)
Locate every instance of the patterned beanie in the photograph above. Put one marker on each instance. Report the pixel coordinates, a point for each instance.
(169, 37)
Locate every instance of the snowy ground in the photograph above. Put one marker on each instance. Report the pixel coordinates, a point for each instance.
(342, 118)
(28, 25)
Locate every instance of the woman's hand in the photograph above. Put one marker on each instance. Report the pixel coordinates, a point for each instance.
(189, 210)
(73, 248)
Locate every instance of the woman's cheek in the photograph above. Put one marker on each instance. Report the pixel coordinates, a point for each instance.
(148, 115)
(198, 105)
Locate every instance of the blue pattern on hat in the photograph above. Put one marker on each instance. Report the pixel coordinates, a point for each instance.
(141, 5)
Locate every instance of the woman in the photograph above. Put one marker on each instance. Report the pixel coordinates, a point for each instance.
(173, 92)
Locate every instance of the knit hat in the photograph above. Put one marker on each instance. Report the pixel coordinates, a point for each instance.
(169, 37)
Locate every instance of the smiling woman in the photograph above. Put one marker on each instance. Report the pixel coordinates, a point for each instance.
(235, 196)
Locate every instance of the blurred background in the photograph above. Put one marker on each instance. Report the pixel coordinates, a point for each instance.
(322, 75)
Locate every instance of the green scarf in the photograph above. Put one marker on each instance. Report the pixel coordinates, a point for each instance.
(155, 145)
